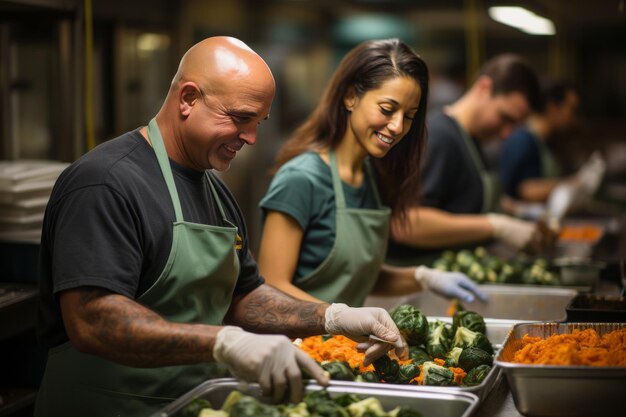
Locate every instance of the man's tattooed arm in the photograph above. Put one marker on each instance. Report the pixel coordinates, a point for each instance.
(122, 330)
(268, 310)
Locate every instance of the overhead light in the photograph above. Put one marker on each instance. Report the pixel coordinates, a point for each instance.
(522, 19)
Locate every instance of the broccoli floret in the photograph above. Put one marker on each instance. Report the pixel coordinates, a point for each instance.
(476, 375)
(469, 319)
(452, 357)
(438, 339)
(338, 370)
(412, 323)
(368, 407)
(472, 357)
(437, 375)
(465, 338)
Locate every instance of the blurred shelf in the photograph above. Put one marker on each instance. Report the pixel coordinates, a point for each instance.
(17, 301)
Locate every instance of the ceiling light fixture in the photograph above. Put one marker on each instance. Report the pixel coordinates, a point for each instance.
(522, 19)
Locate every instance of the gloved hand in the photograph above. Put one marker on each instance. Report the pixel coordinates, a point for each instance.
(560, 201)
(272, 360)
(448, 284)
(590, 174)
(512, 231)
(359, 323)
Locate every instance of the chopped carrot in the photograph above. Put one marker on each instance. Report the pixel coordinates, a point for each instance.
(581, 347)
(340, 348)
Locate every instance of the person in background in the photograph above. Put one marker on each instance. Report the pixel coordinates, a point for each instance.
(351, 164)
(459, 196)
(146, 276)
(529, 170)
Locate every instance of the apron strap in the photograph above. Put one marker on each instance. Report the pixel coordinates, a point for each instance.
(485, 177)
(159, 149)
(340, 200)
(215, 196)
(371, 178)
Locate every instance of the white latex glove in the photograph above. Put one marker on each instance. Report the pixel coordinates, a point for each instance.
(560, 201)
(590, 174)
(514, 232)
(448, 284)
(359, 323)
(272, 360)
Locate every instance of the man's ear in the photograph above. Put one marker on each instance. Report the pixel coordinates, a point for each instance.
(484, 84)
(189, 95)
(349, 100)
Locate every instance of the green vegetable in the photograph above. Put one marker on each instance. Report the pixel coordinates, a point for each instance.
(251, 407)
(209, 412)
(193, 408)
(291, 410)
(452, 357)
(465, 338)
(476, 375)
(469, 319)
(419, 355)
(368, 407)
(386, 368)
(408, 372)
(412, 324)
(438, 339)
(232, 399)
(315, 404)
(345, 400)
(319, 403)
(338, 370)
(476, 272)
(437, 375)
(472, 357)
(465, 258)
(480, 252)
(367, 377)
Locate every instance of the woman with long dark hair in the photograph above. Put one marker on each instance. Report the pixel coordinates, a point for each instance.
(352, 163)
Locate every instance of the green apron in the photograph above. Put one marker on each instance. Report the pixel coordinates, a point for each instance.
(489, 180)
(550, 167)
(351, 269)
(196, 286)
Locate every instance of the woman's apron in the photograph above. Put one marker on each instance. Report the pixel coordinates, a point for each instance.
(351, 269)
(196, 286)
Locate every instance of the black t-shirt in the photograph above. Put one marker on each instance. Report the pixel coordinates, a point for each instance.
(450, 179)
(108, 224)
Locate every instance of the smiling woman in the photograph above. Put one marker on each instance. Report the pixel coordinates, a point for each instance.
(352, 163)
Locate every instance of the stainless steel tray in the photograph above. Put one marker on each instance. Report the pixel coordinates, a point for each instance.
(430, 403)
(515, 302)
(549, 390)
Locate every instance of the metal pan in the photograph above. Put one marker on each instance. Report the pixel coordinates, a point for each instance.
(429, 403)
(550, 390)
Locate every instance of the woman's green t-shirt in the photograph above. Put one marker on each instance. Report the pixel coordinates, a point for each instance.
(303, 189)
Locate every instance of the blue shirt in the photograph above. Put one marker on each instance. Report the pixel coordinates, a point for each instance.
(520, 160)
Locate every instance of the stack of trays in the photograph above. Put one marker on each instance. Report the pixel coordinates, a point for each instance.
(430, 403)
(559, 390)
(25, 187)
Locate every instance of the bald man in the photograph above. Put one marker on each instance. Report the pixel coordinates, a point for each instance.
(144, 259)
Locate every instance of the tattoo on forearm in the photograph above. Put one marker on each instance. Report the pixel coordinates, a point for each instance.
(267, 310)
(135, 335)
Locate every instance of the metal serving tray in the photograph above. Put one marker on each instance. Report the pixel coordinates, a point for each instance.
(515, 302)
(551, 390)
(429, 403)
